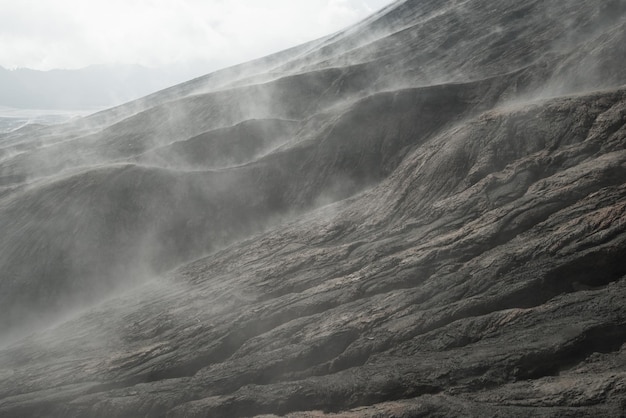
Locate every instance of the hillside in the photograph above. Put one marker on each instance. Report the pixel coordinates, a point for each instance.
(422, 215)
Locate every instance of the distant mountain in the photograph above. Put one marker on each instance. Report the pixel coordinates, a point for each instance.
(422, 215)
(12, 118)
(91, 87)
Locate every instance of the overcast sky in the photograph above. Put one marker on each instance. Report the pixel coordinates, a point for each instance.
(47, 34)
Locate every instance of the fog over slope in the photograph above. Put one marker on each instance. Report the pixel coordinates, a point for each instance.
(421, 215)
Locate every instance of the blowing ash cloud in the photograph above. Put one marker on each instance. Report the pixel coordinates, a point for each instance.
(124, 199)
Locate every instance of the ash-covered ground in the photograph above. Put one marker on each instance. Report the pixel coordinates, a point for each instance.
(422, 215)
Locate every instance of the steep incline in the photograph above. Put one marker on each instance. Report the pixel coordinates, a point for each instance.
(424, 214)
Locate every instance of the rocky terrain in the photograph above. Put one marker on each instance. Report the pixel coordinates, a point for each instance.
(422, 215)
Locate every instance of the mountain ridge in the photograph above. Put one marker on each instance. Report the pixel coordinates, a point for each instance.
(92, 87)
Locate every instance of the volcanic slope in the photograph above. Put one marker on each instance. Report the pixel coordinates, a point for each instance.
(422, 215)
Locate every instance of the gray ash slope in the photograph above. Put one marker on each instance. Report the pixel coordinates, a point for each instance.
(423, 215)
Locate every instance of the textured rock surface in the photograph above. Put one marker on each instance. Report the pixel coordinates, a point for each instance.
(424, 215)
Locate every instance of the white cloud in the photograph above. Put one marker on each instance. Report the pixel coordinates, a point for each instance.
(46, 34)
